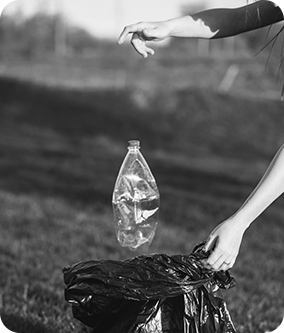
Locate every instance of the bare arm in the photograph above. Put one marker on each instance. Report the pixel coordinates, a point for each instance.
(214, 23)
(227, 236)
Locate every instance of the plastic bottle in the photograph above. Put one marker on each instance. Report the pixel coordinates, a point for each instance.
(135, 201)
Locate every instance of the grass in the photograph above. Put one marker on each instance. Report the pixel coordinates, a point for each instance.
(61, 149)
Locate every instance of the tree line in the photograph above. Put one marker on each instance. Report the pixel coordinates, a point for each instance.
(43, 35)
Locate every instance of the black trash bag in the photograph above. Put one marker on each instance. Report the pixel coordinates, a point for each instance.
(149, 294)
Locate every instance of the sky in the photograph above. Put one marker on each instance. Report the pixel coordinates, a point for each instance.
(106, 18)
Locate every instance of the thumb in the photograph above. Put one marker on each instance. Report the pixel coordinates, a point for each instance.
(210, 242)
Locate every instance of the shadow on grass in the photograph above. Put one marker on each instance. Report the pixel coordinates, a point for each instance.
(25, 325)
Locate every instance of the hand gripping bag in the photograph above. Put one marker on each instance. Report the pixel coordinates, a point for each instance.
(155, 293)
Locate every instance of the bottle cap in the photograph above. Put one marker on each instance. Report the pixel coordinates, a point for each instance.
(134, 144)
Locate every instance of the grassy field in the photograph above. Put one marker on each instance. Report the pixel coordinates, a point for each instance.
(121, 68)
(61, 148)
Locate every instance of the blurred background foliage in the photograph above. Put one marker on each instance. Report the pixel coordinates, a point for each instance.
(30, 43)
(37, 35)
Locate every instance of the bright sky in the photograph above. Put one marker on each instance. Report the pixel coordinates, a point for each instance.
(106, 18)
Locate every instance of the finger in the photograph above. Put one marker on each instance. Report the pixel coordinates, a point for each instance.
(210, 243)
(149, 50)
(140, 46)
(215, 255)
(224, 267)
(151, 34)
(129, 30)
(125, 32)
(123, 35)
(228, 263)
(205, 265)
(218, 264)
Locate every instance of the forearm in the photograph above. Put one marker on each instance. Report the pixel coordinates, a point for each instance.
(267, 191)
(225, 22)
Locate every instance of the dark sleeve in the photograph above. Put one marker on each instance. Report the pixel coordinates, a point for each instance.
(230, 22)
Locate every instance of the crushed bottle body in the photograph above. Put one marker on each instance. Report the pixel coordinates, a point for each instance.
(135, 202)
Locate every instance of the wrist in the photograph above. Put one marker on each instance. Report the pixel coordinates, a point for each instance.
(172, 27)
(189, 26)
(180, 27)
(243, 221)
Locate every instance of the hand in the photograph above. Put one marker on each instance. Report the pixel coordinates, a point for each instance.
(225, 240)
(144, 32)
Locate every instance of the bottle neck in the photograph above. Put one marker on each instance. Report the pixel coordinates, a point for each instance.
(134, 145)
